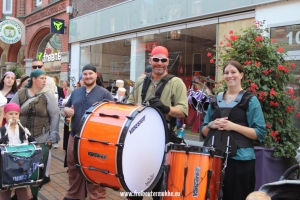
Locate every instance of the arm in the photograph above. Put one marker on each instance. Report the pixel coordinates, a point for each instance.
(256, 129)
(179, 98)
(53, 111)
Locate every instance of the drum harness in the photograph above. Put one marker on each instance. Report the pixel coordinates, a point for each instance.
(158, 91)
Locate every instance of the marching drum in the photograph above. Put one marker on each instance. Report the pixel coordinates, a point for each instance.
(121, 146)
(21, 166)
(193, 172)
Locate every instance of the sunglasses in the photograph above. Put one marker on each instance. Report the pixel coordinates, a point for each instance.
(163, 60)
(37, 66)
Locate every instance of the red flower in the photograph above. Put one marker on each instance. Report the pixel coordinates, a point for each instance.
(298, 114)
(268, 125)
(231, 32)
(228, 44)
(277, 75)
(266, 72)
(253, 85)
(270, 70)
(262, 95)
(233, 37)
(290, 108)
(273, 103)
(272, 92)
(292, 92)
(221, 43)
(257, 64)
(280, 49)
(293, 65)
(258, 39)
(208, 54)
(211, 61)
(247, 62)
(283, 68)
(274, 40)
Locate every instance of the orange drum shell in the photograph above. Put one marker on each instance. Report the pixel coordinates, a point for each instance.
(99, 155)
(177, 161)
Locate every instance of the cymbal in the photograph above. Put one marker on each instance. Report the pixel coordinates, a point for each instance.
(207, 79)
(129, 82)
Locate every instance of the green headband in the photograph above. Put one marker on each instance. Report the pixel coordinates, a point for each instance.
(34, 73)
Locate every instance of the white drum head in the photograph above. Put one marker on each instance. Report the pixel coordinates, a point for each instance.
(143, 152)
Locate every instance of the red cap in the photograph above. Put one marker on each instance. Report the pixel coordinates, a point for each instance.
(11, 106)
(160, 50)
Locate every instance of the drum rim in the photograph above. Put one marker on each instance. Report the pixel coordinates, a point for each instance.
(193, 149)
(120, 150)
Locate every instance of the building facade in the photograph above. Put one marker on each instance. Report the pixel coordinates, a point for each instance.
(37, 40)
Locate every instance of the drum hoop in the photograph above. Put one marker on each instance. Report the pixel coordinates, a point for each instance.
(193, 150)
(82, 122)
(120, 151)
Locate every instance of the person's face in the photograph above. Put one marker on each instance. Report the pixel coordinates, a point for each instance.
(64, 84)
(37, 65)
(159, 66)
(232, 76)
(9, 80)
(89, 77)
(40, 81)
(13, 115)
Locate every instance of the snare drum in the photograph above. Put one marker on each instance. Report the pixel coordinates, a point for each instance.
(121, 146)
(187, 171)
(21, 165)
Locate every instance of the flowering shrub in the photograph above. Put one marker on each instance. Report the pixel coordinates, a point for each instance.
(267, 76)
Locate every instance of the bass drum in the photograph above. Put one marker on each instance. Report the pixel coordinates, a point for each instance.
(121, 146)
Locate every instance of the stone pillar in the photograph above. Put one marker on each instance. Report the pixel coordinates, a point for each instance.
(10, 64)
(64, 72)
(28, 65)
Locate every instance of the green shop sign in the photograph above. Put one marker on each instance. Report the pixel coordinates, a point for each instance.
(57, 26)
(10, 31)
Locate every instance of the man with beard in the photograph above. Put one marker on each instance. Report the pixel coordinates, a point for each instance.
(80, 100)
(173, 100)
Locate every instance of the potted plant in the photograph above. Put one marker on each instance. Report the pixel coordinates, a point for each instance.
(267, 75)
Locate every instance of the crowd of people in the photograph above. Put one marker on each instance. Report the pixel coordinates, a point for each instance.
(35, 102)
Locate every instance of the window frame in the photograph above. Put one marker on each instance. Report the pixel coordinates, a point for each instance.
(4, 7)
(39, 3)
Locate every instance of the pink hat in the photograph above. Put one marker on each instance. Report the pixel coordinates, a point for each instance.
(160, 50)
(11, 106)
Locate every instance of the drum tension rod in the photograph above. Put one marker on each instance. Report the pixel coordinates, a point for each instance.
(99, 170)
(106, 115)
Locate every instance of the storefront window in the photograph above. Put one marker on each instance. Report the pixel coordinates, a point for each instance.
(49, 52)
(127, 59)
(287, 34)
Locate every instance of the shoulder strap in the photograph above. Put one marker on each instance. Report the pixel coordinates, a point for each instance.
(145, 86)
(163, 82)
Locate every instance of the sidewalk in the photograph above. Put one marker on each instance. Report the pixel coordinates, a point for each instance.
(56, 189)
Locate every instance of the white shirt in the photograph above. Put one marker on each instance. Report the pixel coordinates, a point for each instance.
(3, 100)
(13, 136)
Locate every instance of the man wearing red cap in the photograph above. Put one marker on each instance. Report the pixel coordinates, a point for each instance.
(172, 102)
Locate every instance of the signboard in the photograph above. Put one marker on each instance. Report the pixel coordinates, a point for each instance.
(10, 31)
(49, 57)
(57, 26)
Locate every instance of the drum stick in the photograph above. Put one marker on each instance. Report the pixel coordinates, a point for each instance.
(18, 121)
(9, 122)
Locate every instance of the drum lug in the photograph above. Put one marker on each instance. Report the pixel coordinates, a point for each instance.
(119, 176)
(119, 145)
(130, 117)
